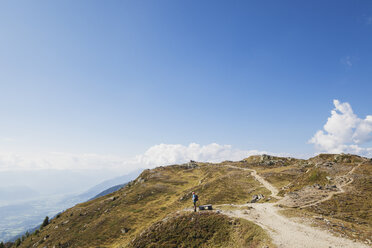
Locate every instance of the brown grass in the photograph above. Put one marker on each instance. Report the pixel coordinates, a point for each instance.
(201, 230)
(115, 219)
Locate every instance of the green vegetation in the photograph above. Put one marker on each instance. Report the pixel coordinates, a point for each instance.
(17, 242)
(2, 245)
(311, 177)
(116, 219)
(201, 230)
(317, 176)
(353, 206)
(280, 176)
(45, 222)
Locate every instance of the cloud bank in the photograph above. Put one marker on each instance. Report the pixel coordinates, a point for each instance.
(344, 132)
(162, 154)
(171, 154)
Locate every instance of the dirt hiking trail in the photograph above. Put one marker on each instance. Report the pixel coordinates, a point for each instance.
(342, 181)
(274, 191)
(285, 232)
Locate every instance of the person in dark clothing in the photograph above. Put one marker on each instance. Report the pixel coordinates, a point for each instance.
(195, 198)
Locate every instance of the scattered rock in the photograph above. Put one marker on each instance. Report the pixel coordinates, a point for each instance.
(191, 165)
(318, 217)
(331, 187)
(317, 186)
(112, 198)
(256, 198)
(140, 180)
(328, 164)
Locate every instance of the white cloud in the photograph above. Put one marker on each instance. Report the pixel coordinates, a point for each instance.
(170, 154)
(344, 132)
(162, 154)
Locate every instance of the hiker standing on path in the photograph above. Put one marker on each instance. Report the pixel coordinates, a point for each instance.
(195, 198)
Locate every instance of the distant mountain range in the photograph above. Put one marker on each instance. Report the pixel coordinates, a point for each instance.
(93, 192)
(17, 218)
(109, 191)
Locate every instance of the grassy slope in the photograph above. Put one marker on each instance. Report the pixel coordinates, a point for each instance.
(201, 230)
(115, 219)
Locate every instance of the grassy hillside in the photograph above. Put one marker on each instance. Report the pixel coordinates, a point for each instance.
(201, 230)
(136, 213)
(114, 220)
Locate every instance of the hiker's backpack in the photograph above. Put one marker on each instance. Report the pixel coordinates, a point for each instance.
(196, 198)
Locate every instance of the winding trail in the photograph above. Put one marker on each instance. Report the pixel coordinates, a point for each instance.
(274, 191)
(345, 180)
(285, 232)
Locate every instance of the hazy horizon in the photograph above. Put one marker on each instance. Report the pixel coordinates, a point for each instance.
(91, 90)
(127, 84)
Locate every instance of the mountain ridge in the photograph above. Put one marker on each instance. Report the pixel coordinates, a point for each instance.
(118, 218)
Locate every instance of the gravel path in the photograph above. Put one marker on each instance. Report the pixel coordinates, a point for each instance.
(285, 232)
(274, 191)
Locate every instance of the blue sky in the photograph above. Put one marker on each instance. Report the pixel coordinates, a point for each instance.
(118, 77)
